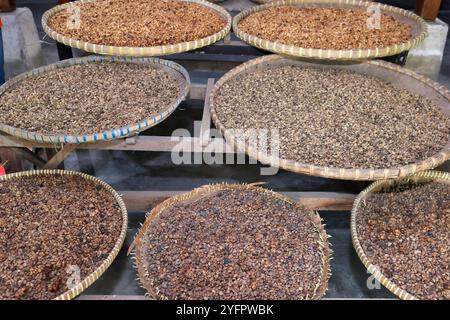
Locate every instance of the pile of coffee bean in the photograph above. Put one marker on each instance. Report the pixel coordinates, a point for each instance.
(325, 28)
(235, 244)
(54, 231)
(406, 233)
(137, 23)
(88, 98)
(331, 117)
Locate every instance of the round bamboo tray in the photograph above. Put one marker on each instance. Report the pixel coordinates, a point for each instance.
(91, 278)
(140, 240)
(418, 25)
(389, 72)
(373, 188)
(136, 51)
(115, 133)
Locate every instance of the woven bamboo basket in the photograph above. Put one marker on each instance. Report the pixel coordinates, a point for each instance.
(418, 25)
(136, 51)
(115, 133)
(420, 177)
(91, 278)
(139, 242)
(389, 72)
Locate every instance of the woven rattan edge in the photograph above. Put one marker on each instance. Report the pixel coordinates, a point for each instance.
(143, 274)
(126, 130)
(392, 287)
(352, 54)
(329, 172)
(137, 51)
(92, 277)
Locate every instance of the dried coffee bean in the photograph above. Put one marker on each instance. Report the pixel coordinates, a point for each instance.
(139, 23)
(249, 249)
(88, 98)
(332, 117)
(39, 242)
(406, 234)
(324, 28)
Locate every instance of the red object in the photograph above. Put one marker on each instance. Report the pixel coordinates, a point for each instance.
(2, 170)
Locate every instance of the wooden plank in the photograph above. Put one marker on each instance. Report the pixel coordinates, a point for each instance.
(112, 297)
(138, 143)
(323, 201)
(326, 201)
(206, 118)
(26, 154)
(162, 144)
(139, 297)
(59, 157)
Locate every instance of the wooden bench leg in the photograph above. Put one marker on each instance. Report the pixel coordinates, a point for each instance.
(55, 159)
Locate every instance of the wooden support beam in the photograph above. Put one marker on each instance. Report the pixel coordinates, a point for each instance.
(30, 156)
(139, 143)
(142, 297)
(206, 119)
(323, 201)
(59, 157)
(428, 9)
(112, 297)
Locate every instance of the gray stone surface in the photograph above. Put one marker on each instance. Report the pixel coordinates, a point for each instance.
(427, 57)
(21, 45)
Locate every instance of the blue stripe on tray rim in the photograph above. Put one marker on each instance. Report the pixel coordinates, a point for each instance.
(56, 138)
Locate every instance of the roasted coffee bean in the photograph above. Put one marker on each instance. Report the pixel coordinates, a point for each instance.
(325, 28)
(249, 249)
(139, 23)
(88, 98)
(39, 242)
(406, 234)
(331, 117)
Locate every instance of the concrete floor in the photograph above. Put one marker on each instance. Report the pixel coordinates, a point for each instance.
(155, 171)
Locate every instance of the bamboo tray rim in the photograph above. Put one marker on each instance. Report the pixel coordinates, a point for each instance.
(137, 51)
(56, 138)
(325, 171)
(92, 277)
(324, 246)
(385, 281)
(330, 54)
